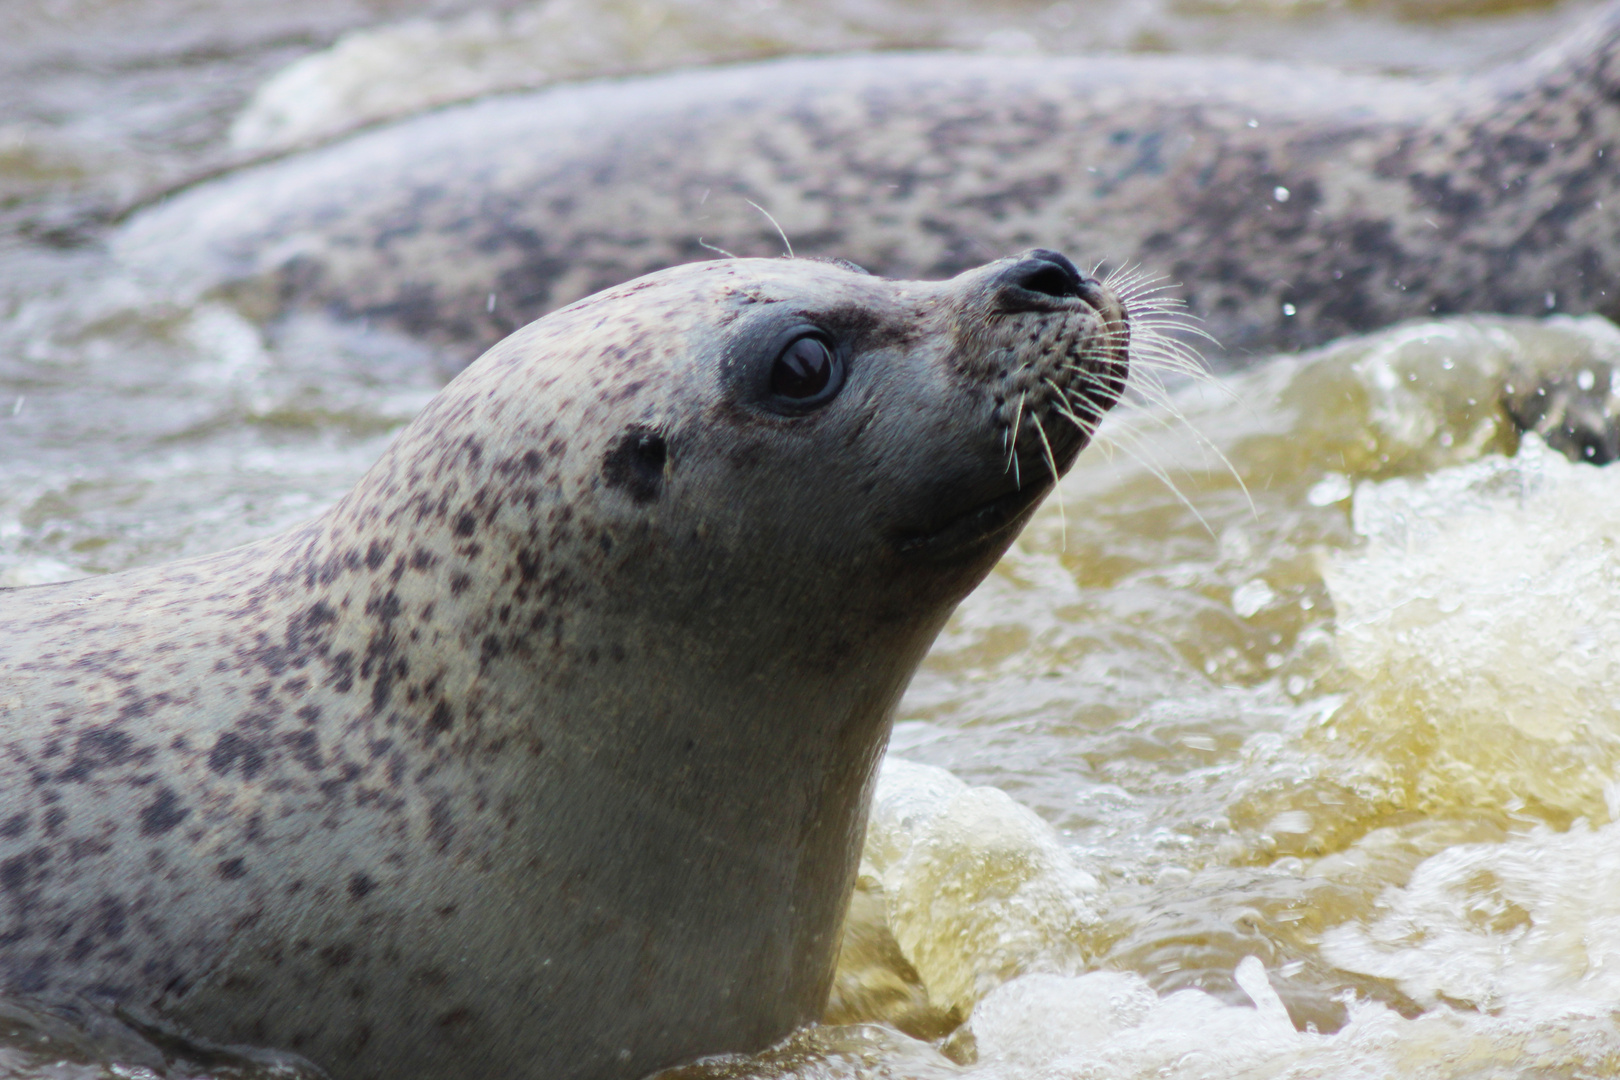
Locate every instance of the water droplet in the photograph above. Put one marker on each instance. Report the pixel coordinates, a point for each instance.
(1249, 598)
(1332, 488)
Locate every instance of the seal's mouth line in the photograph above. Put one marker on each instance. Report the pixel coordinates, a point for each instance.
(974, 526)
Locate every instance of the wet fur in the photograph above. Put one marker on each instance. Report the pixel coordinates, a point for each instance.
(1292, 204)
(545, 752)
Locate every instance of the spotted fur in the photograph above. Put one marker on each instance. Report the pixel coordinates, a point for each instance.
(1293, 205)
(545, 752)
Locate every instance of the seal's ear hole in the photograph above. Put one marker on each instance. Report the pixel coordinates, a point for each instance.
(636, 462)
(807, 372)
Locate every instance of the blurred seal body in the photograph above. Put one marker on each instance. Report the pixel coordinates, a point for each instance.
(1292, 204)
(545, 752)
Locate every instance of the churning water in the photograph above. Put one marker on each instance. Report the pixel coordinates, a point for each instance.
(1289, 746)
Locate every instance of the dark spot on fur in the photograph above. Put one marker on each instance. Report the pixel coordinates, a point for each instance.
(360, 885)
(440, 721)
(342, 677)
(100, 748)
(441, 825)
(456, 1024)
(338, 955)
(231, 748)
(14, 826)
(636, 464)
(163, 813)
(466, 524)
(112, 918)
(15, 871)
(306, 749)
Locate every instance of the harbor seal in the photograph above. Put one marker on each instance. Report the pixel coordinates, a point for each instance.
(1292, 204)
(546, 751)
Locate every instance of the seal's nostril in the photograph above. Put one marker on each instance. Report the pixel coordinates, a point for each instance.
(1050, 280)
(1047, 273)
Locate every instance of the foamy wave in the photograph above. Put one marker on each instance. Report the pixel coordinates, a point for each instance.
(1481, 619)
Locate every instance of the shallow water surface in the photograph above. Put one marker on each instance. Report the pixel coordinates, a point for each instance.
(1285, 746)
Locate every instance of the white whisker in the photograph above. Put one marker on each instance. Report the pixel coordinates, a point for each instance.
(1057, 484)
(1018, 420)
(1160, 349)
(779, 230)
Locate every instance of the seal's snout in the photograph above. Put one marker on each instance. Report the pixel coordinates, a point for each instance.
(1045, 350)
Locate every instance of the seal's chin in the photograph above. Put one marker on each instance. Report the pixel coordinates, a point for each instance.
(972, 531)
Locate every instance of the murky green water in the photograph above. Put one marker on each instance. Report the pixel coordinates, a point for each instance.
(1298, 764)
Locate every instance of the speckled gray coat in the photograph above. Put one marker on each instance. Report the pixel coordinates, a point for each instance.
(1292, 204)
(545, 753)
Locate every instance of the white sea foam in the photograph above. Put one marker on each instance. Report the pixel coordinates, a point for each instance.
(979, 888)
(1482, 617)
(1528, 928)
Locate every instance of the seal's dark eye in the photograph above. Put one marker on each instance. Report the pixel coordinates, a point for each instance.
(805, 370)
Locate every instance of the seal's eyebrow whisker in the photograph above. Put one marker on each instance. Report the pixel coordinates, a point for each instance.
(1057, 483)
(779, 230)
(717, 250)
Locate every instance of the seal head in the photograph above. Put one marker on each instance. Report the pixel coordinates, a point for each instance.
(546, 751)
